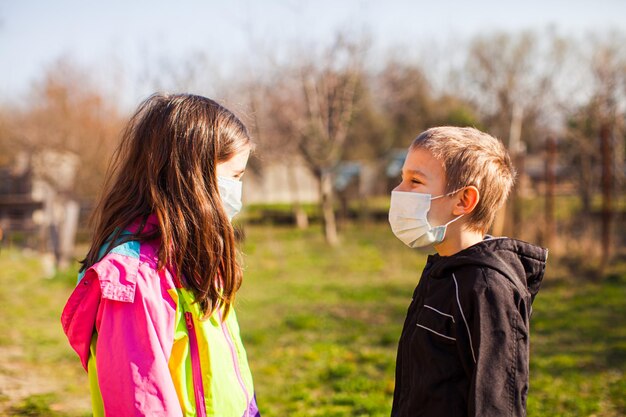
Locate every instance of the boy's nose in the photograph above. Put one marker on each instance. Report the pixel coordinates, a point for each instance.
(401, 187)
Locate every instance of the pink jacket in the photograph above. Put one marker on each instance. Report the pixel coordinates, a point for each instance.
(138, 334)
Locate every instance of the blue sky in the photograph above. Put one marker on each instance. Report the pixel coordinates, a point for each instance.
(125, 36)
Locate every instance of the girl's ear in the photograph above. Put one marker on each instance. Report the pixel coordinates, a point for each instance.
(468, 198)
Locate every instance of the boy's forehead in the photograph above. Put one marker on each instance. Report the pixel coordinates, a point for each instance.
(422, 162)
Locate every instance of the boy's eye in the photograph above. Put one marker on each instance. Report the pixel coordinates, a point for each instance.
(416, 181)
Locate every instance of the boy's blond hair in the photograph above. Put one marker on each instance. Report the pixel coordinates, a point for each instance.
(472, 157)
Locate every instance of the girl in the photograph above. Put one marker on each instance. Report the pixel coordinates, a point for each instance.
(152, 317)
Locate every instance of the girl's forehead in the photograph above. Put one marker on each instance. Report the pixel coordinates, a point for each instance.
(237, 163)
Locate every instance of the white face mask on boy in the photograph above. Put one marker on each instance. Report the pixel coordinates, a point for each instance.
(409, 222)
(230, 193)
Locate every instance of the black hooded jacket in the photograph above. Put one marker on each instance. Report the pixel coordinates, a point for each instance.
(464, 348)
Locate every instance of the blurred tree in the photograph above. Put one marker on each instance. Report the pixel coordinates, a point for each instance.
(67, 114)
(328, 89)
(512, 81)
(596, 135)
(63, 137)
(550, 192)
(6, 150)
(407, 102)
(499, 68)
(277, 136)
(371, 135)
(583, 153)
(313, 105)
(454, 111)
(609, 70)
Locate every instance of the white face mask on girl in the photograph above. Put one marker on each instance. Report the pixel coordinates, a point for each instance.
(230, 193)
(409, 222)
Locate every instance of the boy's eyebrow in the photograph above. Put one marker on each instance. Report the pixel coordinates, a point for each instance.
(416, 172)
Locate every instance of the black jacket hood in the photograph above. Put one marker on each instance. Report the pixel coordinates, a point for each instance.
(522, 263)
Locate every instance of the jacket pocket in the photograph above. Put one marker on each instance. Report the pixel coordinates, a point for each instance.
(438, 323)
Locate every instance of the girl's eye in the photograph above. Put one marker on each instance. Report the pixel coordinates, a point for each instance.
(416, 181)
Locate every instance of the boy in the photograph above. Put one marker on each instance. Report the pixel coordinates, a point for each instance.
(464, 348)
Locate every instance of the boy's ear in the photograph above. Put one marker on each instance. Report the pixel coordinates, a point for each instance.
(467, 201)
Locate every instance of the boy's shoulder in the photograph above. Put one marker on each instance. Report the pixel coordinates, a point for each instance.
(501, 264)
(473, 281)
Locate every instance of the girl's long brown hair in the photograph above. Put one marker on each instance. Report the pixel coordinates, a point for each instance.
(166, 165)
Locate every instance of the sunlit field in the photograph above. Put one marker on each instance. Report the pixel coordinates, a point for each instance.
(321, 327)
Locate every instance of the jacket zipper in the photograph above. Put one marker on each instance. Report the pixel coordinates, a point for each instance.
(195, 366)
(235, 361)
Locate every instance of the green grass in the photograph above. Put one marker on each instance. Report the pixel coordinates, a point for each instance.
(321, 327)
(322, 341)
(579, 348)
(39, 375)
